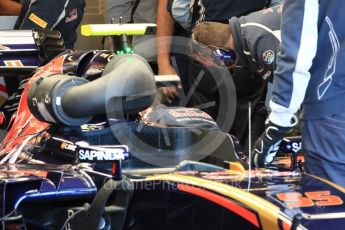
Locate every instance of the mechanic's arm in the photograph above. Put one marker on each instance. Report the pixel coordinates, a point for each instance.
(165, 29)
(298, 48)
(44, 14)
(9, 7)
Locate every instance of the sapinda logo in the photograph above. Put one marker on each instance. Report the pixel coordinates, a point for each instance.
(103, 154)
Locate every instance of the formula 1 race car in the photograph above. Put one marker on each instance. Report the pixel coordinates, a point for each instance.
(79, 155)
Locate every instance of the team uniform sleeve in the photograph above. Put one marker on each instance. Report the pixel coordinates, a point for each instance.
(298, 48)
(44, 14)
(267, 53)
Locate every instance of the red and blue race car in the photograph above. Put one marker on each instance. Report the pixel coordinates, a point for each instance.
(78, 155)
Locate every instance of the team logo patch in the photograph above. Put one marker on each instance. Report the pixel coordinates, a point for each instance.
(73, 15)
(268, 57)
(38, 21)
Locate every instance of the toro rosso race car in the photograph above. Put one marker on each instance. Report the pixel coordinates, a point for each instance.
(79, 154)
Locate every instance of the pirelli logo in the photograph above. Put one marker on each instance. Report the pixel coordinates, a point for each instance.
(13, 63)
(38, 21)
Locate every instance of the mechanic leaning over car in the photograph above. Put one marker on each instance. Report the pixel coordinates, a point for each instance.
(185, 14)
(188, 13)
(61, 15)
(310, 72)
(246, 43)
(250, 41)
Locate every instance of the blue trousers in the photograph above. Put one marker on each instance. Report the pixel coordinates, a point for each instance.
(324, 147)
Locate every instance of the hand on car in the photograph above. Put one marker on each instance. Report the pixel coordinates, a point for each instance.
(170, 91)
(267, 145)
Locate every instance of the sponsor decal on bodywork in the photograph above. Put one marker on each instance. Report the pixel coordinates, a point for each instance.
(68, 146)
(108, 153)
(13, 63)
(309, 199)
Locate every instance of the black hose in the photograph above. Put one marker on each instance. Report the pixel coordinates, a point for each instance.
(127, 86)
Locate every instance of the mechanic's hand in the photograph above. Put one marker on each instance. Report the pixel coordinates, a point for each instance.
(170, 91)
(267, 145)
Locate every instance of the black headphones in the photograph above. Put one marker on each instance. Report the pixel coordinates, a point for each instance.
(223, 57)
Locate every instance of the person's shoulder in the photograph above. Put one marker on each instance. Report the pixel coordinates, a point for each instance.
(269, 14)
(235, 21)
